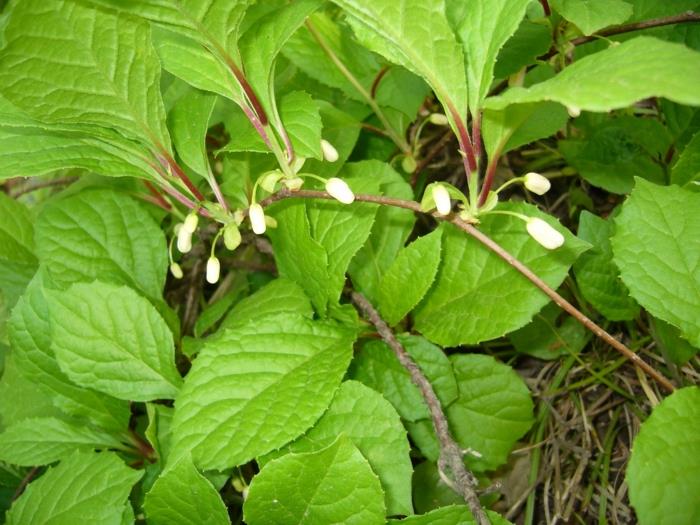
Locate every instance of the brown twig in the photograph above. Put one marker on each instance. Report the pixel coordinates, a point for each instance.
(25, 481)
(63, 181)
(377, 79)
(437, 148)
(451, 460)
(503, 254)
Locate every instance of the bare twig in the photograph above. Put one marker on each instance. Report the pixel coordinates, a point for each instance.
(503, 254)
(451, 462)
(63, 181)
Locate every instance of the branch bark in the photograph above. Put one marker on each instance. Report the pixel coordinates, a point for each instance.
(451, 462)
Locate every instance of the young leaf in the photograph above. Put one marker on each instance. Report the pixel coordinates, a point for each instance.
(86, 486)
(686, 170)
(333, 485)
(592, 15)
(450, 515)
(111, 339)
(101, 234)
(110, 81)
(670, 343)
(189, 121)
(597, 276)
(249, 378)
(39, 441)
(640, 68)
(157, 433)
(17, 260)
(409, 277)
(182, 496)
(478, 296)
(656, 249)
(374, 427)
(665, 459)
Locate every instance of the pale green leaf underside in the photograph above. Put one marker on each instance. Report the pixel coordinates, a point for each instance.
(656, 248)
(642, 67)
(257, 387)
(86, 487)
(183, 496)
(592, 15)
(109, 338)
(662, 472)
(333, 485)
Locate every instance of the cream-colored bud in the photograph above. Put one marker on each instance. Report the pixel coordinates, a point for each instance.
(213, 270)
(574, 111)
(537, 183)
(176, 270)
(294, 184)
(191, 222)
(329, 152)
(257, 218)
(339, 190)
(544, 234)
(184, 240)
(438, 119)
(441, 197)
(232, 236)
(270, 180)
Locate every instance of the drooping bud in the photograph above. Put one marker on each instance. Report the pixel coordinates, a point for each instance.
(329, 152)
(213, 270)
(441, 197)
(574, 111)
(339, 190)
(270, 179)
(176, 270)
(184, 239)
(408, 164)
(232, 236)
(294, 183)
(544, 234)
(438, 119)
(257, 218)
(191, 222)
(537, 183)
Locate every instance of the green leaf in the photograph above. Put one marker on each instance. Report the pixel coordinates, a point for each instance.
(642, 67)
(109, 338)
(409, 277)
(158, 431)
(277, 297)
(416, 35)
(44, 440)
(85, 487)
(591, 15)
(662, 471)
(182, 496)
(334, 485)
(29, 331)
(391, 228)
(111, 81)
(374, 427)
(450, 515)
(671, 344)
(477, 296)
(243, 384)
(485, 27)
(101, 234)
(189, 121)
(493, 409)
(302, 121)
(597, 276)
(686, 169)
(529, 41)
(656, 249)
(377, 367)
(17, 260)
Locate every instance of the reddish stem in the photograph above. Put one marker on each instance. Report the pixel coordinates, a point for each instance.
(375, 84)
(465, 143)
(170, 165)
(248, 90)
(490, 176)
(157, 196)
(545, 6)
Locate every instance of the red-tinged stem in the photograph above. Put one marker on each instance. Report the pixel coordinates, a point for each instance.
(170, 165)
(217, 192)
(489, 177)
(375, 84)
(465, 142)
(157, 196)
(545, 6)
(258, 125)
(476, 135)
(248, 90)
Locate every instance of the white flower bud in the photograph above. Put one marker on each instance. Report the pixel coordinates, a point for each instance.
(257, 218)
(269, 180)
(232, 236)
(176, 270)
(441, 197)
(438, 119)
(191, 222)
(184, 239)
(213, 270)
(329, 152)
(294, 183)
(339, 190)
(544, 234)
(574, 111)
(536, 183)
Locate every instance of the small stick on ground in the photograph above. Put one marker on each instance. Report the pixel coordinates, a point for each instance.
(451, 462)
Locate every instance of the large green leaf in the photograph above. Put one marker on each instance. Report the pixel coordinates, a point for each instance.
(597, 276)
(102, 235)
(484, 28)
(17, 260)
(39, 441)
(477, 296)
(183, 496)
(109, 338)
(591, 15)
(333, 485)
(189, 121)
(257, 387)
(640, 68)
(416, 35)
(374, 427)
(662, 472)
(656, 249)
(687, 168)
(104, 72)
(450, 515)
(86, 487)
